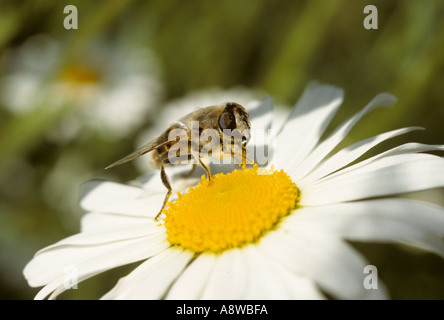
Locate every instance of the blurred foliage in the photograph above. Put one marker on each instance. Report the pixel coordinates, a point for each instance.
(275, 46)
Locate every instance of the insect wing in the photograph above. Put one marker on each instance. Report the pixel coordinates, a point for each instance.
(150, 146)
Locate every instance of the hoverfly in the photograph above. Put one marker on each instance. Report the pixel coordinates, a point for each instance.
(229, 116)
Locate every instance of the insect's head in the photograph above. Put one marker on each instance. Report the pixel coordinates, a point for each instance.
(234, 117)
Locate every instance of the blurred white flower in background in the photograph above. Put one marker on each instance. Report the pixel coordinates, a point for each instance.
(109, 88)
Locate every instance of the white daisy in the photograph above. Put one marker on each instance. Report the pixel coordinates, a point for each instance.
(108, 87)
(279, 235)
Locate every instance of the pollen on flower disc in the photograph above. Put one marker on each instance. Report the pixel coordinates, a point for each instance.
(236, 209)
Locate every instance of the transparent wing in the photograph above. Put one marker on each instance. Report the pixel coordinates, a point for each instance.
(150, 146)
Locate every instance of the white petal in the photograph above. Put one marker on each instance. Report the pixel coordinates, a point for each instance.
(404, 149)
(261, 113)
(112, 197)
(106, 235)
(52, 268)
(387, 220)
(261, 116)
(153, 186)
(305, 125)
(329, 261)
(280, 115)
(263, 280)
(297, 170)
(48, 289)
(149, 181)
(94, 221)
(228, 278)
(191, 283)
(269, 280)
(386, 176)
(343, 157)
(152, 278)
(300, 287)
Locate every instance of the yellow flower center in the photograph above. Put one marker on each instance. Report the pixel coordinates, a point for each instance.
(238, 208)
(80, 75)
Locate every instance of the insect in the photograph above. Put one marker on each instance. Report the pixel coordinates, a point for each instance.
(223, 119)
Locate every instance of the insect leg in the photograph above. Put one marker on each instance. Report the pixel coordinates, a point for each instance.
(186, 175)
(195, 152)
(207, 170)
(244, 152)
(166, 183)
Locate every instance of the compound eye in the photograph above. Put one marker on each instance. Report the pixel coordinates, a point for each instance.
(227, 120)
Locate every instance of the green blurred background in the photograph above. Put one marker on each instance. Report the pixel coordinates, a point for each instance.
(57, 88)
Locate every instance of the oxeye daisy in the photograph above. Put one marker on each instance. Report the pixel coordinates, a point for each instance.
(274, 231)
